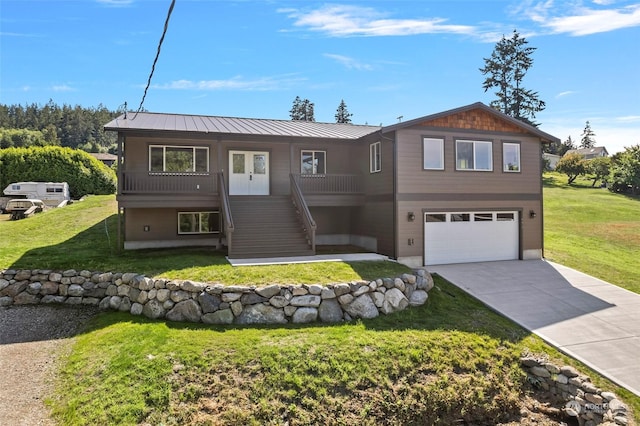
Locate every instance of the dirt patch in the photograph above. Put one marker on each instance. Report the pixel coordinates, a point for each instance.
(32, 340)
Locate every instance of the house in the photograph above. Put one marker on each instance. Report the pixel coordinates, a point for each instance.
(552, 160)
(106, 158)
(462, 185)
(590, 153)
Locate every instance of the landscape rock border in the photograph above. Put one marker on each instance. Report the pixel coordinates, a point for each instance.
(581, 398)
(190, 301)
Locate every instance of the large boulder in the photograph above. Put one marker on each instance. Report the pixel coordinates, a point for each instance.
(186, 310)
(362, 307)
(261, 314)
(330, 311)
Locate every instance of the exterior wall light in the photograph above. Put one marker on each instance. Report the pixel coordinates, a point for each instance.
(411, 217)
(532, 214)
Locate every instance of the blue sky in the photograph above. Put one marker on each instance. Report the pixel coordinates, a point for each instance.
(386, 59)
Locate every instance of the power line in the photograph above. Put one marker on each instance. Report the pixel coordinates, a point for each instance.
(153, 67)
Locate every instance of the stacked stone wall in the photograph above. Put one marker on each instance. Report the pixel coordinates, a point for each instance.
(190, 301)
(579, 397)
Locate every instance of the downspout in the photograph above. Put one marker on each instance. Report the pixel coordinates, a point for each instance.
(119, 189)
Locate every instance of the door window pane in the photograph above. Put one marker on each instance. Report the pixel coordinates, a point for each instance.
(307, 163)
(238, 163)
(259, 164)
(483, 217)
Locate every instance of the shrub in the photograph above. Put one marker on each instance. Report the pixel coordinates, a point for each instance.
(84, 174)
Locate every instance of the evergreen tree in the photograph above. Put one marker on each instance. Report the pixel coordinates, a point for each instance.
(587, 140)
(505, 70)
(302, 110)
(342, 114)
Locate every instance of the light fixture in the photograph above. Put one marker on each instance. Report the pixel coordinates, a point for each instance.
(532, 214)
(146, 228)
(411, 217)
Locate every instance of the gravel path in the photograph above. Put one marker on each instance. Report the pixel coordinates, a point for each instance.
(32, 338)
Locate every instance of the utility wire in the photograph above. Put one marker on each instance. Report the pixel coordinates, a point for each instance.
(153, 67)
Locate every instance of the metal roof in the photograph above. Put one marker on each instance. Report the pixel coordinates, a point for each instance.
(146, 121)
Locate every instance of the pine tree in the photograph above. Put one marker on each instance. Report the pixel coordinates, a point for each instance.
(505, 70)
(342, 114)
(302, 110)
(587, 140)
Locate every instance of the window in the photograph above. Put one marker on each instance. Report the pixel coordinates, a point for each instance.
(198, 222)
(511, 157)
(483, 217)
(375, 161)
(313, 163)
(433, 154)
(460, 217)
(178, 159)
(435, 217)
(505, 217)
(474, 155)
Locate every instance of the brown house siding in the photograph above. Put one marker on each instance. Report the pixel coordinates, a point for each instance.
(420, 190)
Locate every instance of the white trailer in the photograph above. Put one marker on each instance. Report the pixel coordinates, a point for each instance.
(53, 194)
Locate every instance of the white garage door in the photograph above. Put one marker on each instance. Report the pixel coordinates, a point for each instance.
(460, 237)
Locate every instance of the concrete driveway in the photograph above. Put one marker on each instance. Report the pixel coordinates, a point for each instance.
(591, 320)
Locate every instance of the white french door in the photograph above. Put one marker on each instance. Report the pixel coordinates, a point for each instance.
(248, 173)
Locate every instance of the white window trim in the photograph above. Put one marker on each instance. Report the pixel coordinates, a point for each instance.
(164, 157)
(441, 140)
(313, 154)
(375, 157)
(504, 163)
(475, 168)
(197, 213)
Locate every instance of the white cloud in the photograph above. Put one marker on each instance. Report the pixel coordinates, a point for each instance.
(629, 119)
(348, 62)
(581, 21)
(62, 88)
(116, 3)
(566, 93)
(346, 21)
(235, 83)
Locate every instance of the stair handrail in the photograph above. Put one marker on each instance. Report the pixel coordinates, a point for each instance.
(226, 210)
(298, 199)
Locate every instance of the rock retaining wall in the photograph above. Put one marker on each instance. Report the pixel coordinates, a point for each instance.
(215, 303)
(581, 398)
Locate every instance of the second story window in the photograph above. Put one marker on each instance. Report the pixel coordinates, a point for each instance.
(433, 154)
(474, 155)
(313, 163)
(178, 159)
(511, 157)
(375, 157)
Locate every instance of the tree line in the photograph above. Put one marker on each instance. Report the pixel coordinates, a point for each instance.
(51, 124)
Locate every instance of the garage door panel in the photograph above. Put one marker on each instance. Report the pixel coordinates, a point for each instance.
(473, 240)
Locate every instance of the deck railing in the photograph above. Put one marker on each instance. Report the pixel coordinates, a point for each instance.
(145, 182)
(329, 184)
(309, 224)
(227, 218)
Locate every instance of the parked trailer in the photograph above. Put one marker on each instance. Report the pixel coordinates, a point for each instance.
(22, 208)
(53, 194)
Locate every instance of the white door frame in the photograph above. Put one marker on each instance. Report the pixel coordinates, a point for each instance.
(249, 173)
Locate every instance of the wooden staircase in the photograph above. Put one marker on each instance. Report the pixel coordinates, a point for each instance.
(267, 226)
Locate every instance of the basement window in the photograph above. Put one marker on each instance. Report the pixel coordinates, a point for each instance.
(198, 222)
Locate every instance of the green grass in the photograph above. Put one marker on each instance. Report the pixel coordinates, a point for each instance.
(592, 230)
(84, 236)
(447, 361)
